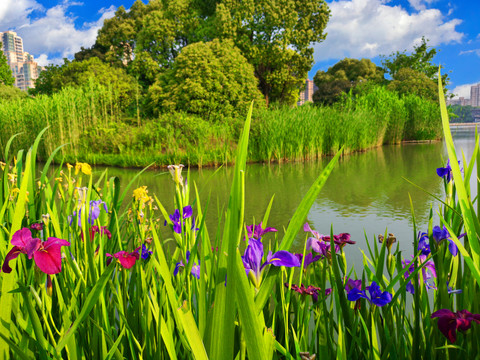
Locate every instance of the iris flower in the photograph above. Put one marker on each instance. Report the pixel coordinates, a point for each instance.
(428, 272)
(443, 234)
(93, 215)
(195, 267)
(449, 322)
(321, 243)
(126, 259)
(309, 258)
(377, 297)
(253, 257)
(145, 252)
(257, 231)
(47, 255)
(177, 222)
(310, 290)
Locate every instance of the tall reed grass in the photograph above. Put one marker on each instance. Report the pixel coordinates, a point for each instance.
(95, 129)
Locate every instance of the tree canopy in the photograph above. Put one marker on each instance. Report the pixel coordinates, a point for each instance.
(207, 79)
(274, 37)
(6, 76)
(409, 81)
(76, 73)
(342, 77)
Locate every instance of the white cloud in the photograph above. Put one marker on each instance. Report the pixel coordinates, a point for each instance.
(462, 91)
(53, 30)
(420, 4)
(473, 51)
(368, 28)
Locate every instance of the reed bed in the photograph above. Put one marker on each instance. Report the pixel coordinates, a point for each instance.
(85, 273)
(95, 129)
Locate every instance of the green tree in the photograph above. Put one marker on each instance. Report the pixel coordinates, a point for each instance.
(9, 92)
(343, 76)
(409, 81)
(212, 80)
(77, 73)
(420, 60)
(276, 38)
(6, 76)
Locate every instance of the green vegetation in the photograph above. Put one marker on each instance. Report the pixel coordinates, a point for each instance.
(85, 274)
(212, 80)
(462, 114)
(6, 77)
(95, 129)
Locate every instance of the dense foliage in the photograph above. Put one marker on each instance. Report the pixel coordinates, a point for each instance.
(342, 77)
(275, 38)
(96, 130)
(462, 114)
(212, 80)
(6, 76)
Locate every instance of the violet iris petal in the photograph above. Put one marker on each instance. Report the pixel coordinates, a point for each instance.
(145, 252)
(187, 212)
(309, 258)
(378, 297)
(195, 268)
(252, 260)
(307, 228)
(257, 231)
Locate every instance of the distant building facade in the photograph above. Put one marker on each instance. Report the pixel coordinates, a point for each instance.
(460, 101)
(23, 66)
(475, 95)
(307, 93)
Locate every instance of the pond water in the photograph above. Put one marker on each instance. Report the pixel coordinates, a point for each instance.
(366, 193)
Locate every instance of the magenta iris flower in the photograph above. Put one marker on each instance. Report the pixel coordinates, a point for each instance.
(37, 226)
(195, 267)
(126, 259)
(449, 322)
(310, 290)
(47, 255)
(257, 231)
(377, 297)
(321, 243)
(254, 265)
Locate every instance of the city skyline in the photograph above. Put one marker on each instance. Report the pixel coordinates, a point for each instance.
(56, 29)
(24, 68)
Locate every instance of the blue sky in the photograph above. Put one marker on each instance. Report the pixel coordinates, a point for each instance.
(54, 29)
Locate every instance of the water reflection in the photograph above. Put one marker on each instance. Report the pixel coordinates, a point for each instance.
(365, 194)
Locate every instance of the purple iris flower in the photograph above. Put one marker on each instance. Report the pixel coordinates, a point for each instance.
(423, 245)
(145, 252)
(428, 272)
(440, 234)
(257, 231)
(195, 267)
(309, 258)
(446, 172)
(377, 297)
(253, 257)
(177, 222)
(93, 215)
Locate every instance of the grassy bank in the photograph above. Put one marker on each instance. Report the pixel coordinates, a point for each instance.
(97, 131)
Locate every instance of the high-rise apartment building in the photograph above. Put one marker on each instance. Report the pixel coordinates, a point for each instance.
(307, 94)
(23, 66)
(475, 95)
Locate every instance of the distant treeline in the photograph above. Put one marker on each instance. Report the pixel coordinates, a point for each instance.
(463, 114)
